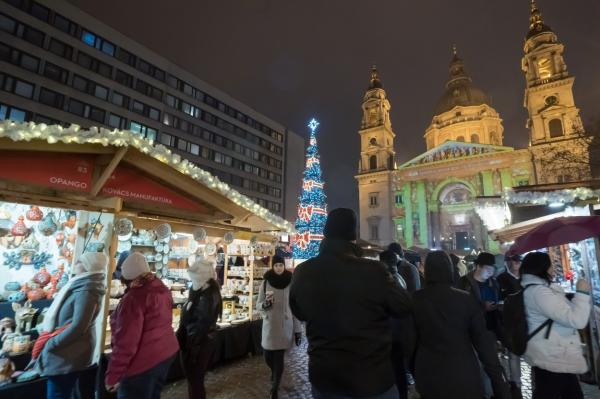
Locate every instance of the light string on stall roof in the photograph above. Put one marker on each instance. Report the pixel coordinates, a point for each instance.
(27, 131)
(566, 196)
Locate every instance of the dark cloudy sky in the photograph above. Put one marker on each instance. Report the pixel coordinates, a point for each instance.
(292, 60)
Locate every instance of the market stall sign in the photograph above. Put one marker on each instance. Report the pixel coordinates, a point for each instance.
(130, 185)
(72, 172)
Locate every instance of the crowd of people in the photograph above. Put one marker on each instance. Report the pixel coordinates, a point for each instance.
(373, 327)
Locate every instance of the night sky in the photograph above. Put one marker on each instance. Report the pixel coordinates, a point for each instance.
(292, 60)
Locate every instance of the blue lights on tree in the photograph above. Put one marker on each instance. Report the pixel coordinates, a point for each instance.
(312, 208)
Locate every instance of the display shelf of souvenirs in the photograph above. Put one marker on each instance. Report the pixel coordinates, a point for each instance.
(37, 245)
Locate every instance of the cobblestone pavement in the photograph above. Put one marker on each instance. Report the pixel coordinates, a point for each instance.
(249, 379)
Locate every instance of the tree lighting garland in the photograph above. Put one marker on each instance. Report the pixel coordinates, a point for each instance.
(567, 196)
(312, 209)
(123, 138)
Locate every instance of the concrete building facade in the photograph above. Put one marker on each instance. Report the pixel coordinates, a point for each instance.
(61, 65)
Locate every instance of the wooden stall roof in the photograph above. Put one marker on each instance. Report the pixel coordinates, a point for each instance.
(513, 231)
(215, 203)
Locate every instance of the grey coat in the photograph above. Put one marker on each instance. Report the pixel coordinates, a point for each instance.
(279, 325)
(73, 349)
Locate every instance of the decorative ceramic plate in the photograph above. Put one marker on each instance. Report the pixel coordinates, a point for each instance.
(228, 237)
(158, 257)
(166, 249)
(199, 234)
(210, 248)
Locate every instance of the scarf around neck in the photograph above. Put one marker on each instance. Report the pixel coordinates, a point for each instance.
(279, 281)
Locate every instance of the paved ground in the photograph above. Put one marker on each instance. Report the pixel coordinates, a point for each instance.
(249, 379)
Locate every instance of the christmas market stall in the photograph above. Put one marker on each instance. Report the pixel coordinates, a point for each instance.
(562, 220)
(65, 191)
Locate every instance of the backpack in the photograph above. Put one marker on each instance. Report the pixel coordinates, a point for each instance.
(516, 330)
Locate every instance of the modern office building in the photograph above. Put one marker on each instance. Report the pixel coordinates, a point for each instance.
(61, 65)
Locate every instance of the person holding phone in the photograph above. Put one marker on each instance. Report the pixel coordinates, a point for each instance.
(556, 353)
(280, 329)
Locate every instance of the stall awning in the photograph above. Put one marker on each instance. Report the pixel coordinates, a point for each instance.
(98, 164)
(511, 232)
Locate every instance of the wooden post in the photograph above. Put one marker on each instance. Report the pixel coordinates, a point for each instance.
(112, 265)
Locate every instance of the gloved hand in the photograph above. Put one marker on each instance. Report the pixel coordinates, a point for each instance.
(298, 338)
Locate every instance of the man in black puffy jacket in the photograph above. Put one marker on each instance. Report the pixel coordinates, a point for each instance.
(346, 302)
(407, 270)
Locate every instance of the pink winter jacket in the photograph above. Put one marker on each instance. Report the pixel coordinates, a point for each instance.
(142, 335)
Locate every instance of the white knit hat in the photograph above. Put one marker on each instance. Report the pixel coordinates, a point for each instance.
(94, 261)
(134, 266)
(202, 271)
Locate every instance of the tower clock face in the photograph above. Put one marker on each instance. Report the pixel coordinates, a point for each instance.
(551, 100)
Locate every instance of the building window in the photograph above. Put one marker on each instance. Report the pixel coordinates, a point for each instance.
(116, 121)
(374, 232)
(33, 36)
(373, 200)
(64, 24)
(12, 113)
(523, 182)
(398, 199)
(97, 42)
(7, 24)
(19, 87)
(55, 72)
(51, 98)
(124, 78)
(167, 139)
(460, 139)
(61, 49)
(144, 130)
(126, 57)
(120, 99)
(373, 141)
(556, 128)
(40, 12)
(475, 138)
(373, 162)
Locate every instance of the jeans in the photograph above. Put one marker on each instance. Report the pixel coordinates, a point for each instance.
(392, 393)
(146, 385)
(274, 360)
(62, 386)
(549, 385)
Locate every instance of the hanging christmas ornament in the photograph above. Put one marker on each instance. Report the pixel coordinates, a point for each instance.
(163, 231)
(228, 237)
(19, 229)
(48, 225)
(34, 214)
(42, 277)
(199, 234)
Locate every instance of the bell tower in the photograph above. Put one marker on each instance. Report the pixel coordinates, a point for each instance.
(376, 135)
(554, 123)
(376, 165)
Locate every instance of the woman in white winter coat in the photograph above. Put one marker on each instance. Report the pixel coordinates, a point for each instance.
(280, 329)
(555, 352)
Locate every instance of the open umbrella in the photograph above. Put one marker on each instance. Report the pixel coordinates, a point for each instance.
(559, 231)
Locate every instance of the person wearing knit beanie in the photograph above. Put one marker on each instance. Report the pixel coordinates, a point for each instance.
(341, 225)
(198, 322)
(134, 266)
(201, 272)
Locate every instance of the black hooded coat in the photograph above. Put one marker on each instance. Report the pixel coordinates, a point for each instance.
(451, 335)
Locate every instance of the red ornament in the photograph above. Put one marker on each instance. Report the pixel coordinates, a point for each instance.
(42, 277)
(19, 229)
(569, 275)
(34, 214)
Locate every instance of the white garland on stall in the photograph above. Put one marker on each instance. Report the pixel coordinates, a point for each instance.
(567, 196)
(122, 138)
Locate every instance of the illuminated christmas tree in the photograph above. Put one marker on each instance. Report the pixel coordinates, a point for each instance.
(312, 209)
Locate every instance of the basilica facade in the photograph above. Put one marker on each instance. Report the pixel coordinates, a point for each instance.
(433, 200)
